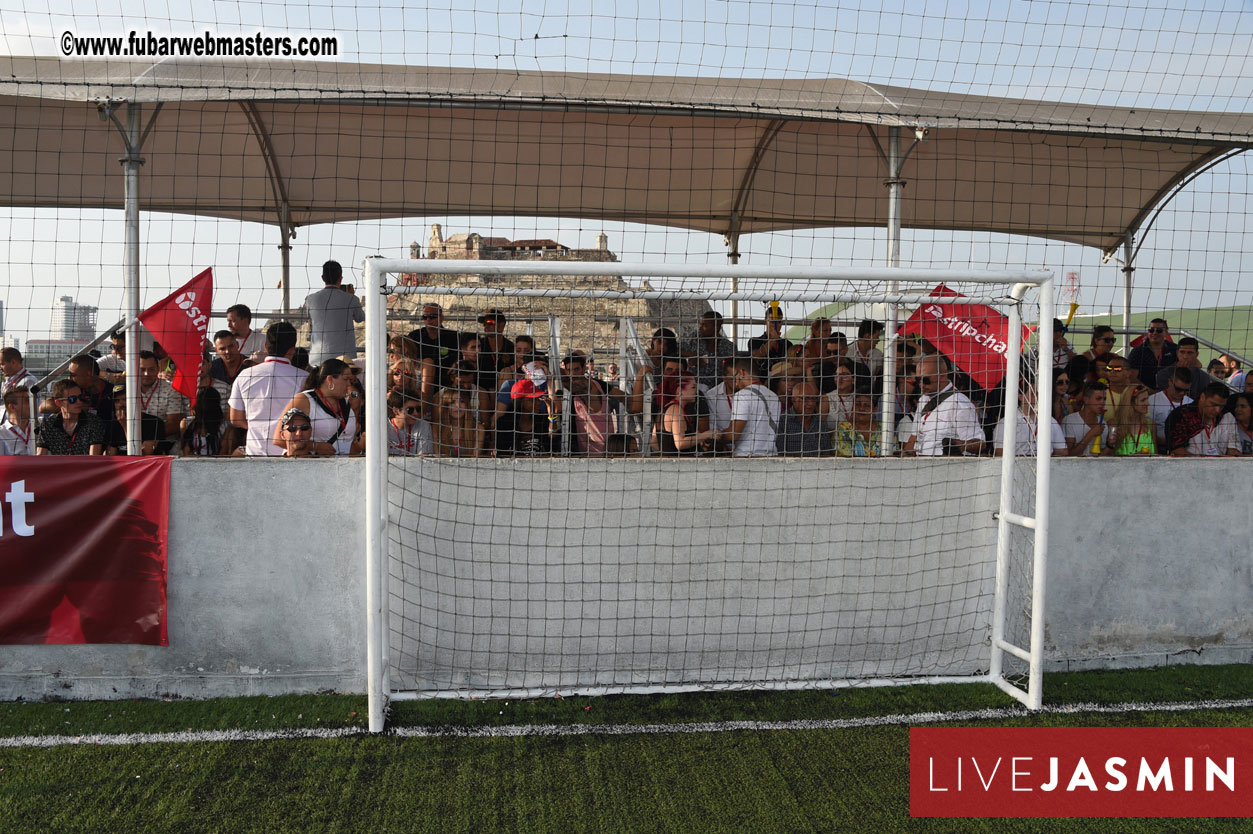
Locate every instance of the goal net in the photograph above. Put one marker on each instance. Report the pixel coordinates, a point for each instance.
(603, 478)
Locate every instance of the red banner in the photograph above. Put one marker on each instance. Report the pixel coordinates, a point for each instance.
(1080, 771)
(180, 322)
(974, 336)
(83, 549)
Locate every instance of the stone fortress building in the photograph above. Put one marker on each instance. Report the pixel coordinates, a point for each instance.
(589, 324)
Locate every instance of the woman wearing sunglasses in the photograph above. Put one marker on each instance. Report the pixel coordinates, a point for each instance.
(1103, 341)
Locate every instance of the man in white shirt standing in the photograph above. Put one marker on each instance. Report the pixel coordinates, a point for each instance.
(239, 322)
(946, 421)
(332, 312)
(261, 392)
(755, 412)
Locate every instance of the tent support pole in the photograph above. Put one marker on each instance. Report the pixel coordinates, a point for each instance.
(1127, 270)
(733, 256)
(894, 184)
(287, 232)
(133, 137)
(131, 164)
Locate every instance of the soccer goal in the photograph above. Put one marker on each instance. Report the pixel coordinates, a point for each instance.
(577, 523)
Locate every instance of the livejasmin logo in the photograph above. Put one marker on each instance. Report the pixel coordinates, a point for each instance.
(1023, 773)
(1080, 771)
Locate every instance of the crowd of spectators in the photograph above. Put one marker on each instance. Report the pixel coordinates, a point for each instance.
(482, 394)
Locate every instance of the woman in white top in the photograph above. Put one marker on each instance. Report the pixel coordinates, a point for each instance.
(325, 401)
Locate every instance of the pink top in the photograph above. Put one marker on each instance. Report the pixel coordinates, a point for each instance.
(591, 428)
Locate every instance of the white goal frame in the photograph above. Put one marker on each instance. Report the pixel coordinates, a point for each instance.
(377, 288)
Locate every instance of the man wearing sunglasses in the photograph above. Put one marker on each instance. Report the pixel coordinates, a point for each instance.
(113, 366)
(946, 422)
(1154, 353)
(73, 430)
(438, 349)
(1188, 355)
(1173, 396)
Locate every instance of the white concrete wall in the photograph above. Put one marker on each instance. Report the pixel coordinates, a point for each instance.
(266, 582)
(1149, 564)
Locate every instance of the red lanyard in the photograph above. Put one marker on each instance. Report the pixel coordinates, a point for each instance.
(338, 415)
(24, 435)
(143, 401)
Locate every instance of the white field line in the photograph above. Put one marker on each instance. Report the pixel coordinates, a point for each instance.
(553, 730)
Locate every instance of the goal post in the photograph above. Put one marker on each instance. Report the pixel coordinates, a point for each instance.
(586, 572)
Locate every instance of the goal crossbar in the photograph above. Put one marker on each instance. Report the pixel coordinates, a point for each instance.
(744, 272)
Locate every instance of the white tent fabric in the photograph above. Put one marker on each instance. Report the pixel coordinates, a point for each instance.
(340, 142)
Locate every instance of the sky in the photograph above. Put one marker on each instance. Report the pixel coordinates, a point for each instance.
(1179, 55)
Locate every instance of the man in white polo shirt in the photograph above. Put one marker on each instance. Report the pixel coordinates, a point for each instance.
(261, 392)
(946, 421)
(755, 412)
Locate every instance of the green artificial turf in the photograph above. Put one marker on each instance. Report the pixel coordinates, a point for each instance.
(837, 780)
(754, 781)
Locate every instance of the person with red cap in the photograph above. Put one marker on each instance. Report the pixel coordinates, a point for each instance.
(526, 431)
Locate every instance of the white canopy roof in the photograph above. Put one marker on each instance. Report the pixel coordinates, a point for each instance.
(351, 142)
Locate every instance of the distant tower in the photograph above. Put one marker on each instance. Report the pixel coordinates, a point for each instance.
(415, 251)
(436, 243)
(602, 242)
(73, 322)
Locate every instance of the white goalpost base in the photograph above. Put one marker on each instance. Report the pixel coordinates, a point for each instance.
(519, 578)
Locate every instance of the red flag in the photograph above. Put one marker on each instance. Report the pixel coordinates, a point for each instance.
(180, 322)
(974, 336)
